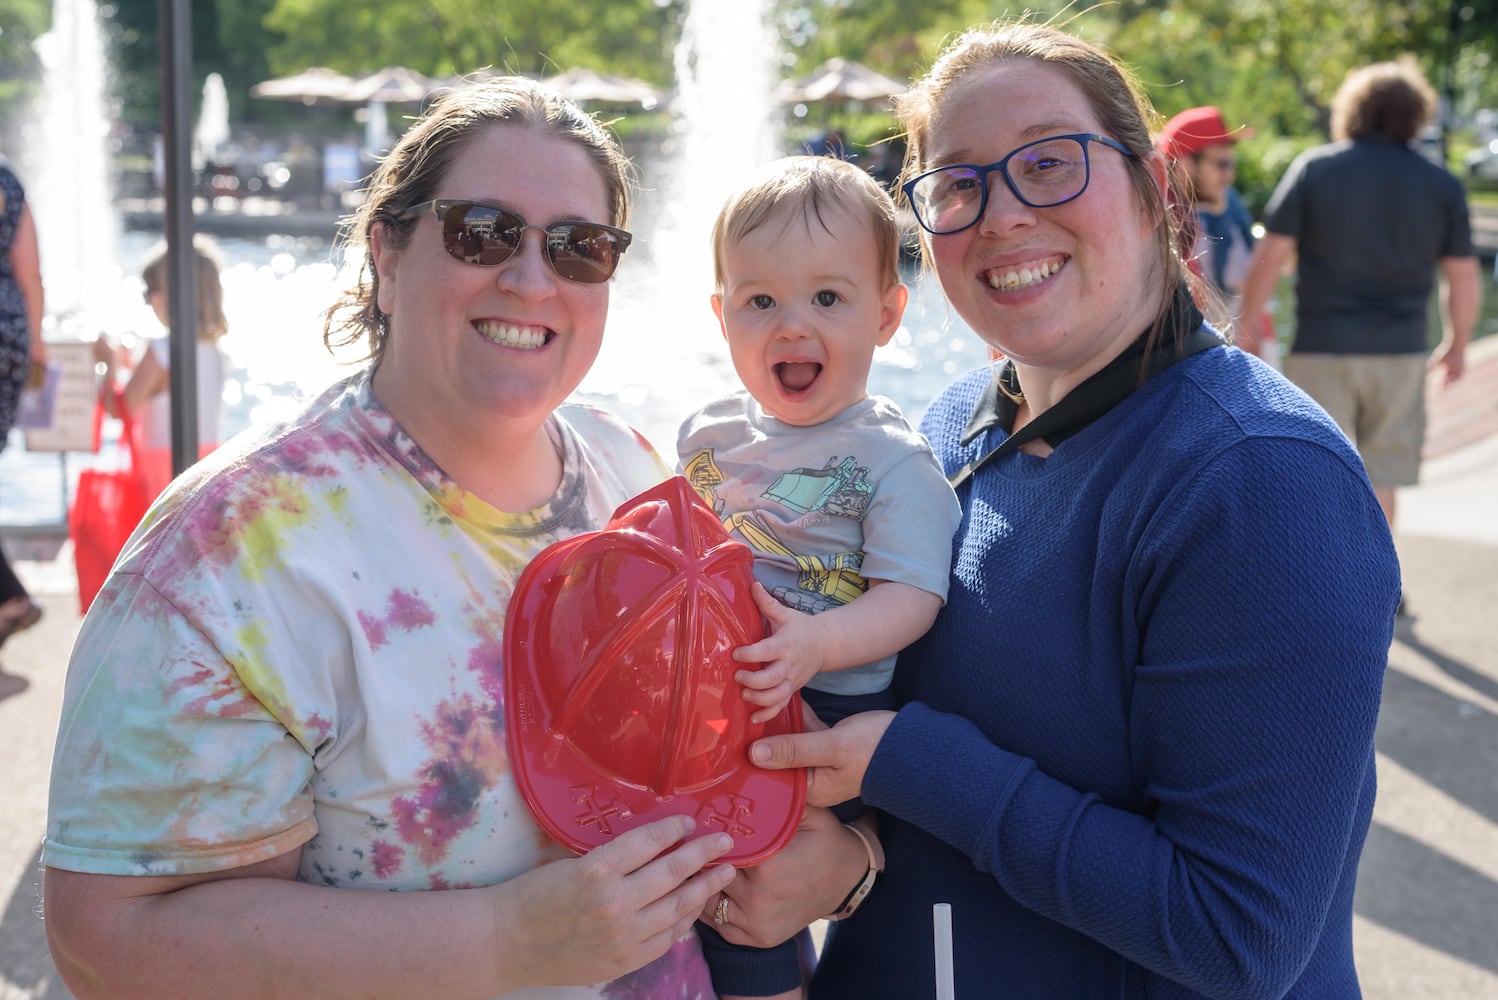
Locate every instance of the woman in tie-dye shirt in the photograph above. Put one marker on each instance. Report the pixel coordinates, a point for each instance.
(289, 689)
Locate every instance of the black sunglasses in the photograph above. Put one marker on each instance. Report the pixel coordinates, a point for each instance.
(488, 235)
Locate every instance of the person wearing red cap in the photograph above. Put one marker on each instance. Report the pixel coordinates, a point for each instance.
(1218, 235)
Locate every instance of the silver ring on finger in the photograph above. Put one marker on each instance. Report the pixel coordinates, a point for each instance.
(720, 915)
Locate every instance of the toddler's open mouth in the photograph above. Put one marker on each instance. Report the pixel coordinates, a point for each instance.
(797, 376)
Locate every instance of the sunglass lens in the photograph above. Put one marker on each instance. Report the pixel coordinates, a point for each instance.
(583, 253)
(477, 234)
(578, 251)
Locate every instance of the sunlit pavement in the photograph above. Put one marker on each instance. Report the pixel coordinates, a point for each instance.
(1427, 900)
(1427, 904)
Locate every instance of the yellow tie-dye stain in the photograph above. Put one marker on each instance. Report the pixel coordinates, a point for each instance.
(257, 674)
(264, 538)
(338, 502)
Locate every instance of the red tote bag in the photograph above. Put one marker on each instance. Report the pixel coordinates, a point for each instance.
(107, 507)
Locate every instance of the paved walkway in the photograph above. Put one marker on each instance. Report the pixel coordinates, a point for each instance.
(1427, 905)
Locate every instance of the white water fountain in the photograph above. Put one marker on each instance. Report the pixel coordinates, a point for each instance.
(64, 162)
(663, 353)
(726, 126)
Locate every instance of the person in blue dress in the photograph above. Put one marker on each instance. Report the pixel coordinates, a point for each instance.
(22, 353)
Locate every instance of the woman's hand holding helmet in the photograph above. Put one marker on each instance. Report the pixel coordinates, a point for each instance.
(613, 910)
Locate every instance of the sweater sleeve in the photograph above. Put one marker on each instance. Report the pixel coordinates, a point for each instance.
(1263, 606)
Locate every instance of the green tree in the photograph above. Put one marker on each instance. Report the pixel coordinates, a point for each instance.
(1287, 57)
(443, 37)
(228, 38)
(1271, 64)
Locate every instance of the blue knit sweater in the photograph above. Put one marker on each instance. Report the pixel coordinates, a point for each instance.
(1135, 752)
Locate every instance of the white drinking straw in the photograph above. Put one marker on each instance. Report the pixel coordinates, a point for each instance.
(941, 920)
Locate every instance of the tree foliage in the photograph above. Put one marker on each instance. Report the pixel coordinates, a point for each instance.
(444, 37)
(228, 38)
(1275, 65)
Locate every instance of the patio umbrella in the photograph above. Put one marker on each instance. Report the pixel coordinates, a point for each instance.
(391, 85)
(315, 85)
(582, 84)
(840, 79)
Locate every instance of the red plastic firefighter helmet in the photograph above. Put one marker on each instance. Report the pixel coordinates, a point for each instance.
(620, 702)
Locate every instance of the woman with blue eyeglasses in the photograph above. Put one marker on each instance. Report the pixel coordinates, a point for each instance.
(281, 768)
(1135, 751)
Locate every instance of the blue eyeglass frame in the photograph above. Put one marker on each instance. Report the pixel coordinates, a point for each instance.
(1002, 168)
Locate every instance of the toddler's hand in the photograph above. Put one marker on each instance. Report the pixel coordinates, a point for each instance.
(791, 655)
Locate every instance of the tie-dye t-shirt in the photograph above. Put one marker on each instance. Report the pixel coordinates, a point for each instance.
(300, 650)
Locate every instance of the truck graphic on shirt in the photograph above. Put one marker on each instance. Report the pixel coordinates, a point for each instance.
(839, 488)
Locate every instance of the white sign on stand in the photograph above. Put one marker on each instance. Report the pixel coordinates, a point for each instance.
(73, 409)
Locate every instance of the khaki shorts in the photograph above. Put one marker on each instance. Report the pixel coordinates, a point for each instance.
(1379, 402)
